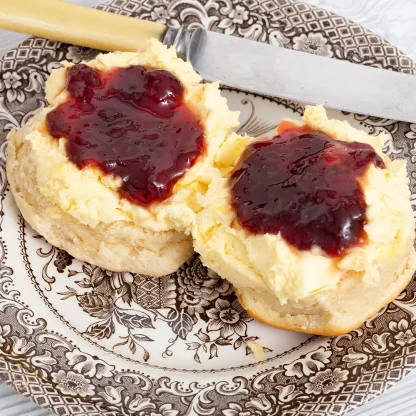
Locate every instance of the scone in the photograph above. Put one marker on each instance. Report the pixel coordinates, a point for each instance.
(111, 170)
(314, 227)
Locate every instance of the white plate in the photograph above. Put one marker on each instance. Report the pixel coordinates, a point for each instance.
(76, 338)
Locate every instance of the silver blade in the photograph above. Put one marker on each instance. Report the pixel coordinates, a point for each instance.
(299, 76)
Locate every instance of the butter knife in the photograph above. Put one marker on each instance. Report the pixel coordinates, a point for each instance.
(235, 62)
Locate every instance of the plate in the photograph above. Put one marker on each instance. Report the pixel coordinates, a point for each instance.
(81, 340)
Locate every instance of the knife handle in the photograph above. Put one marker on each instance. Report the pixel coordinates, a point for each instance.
(65, 22)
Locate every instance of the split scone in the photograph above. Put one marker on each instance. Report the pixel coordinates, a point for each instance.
(314, 227)
(111, 169)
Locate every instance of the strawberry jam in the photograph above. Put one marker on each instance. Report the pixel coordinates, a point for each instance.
(132, 123)
(304, 185)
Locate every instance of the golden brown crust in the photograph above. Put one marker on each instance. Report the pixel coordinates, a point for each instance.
(118, 246)
(323, 314)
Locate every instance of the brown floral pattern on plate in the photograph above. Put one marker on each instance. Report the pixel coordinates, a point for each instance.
(67, 370)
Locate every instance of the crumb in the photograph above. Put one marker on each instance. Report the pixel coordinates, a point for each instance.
(257, 349)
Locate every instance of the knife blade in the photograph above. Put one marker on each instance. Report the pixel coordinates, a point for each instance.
(285, 73)
(235, 62)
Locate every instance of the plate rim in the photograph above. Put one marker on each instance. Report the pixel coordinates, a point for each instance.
(17, 384)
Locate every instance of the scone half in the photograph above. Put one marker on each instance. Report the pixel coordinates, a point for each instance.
(82, 210)
(312, 290)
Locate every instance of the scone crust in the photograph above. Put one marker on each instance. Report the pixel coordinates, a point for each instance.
(118, 246)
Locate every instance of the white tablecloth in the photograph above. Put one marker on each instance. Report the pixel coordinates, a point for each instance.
(395, 21)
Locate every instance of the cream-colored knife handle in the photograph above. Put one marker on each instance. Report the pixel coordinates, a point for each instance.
(58, 20)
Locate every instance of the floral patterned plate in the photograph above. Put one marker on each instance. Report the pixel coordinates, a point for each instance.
(81, 340)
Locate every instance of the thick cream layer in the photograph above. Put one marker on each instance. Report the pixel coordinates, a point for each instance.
(91, 196)
(266, 263)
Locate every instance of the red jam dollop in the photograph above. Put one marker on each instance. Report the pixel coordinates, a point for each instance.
(132, 123)
(304, 185)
